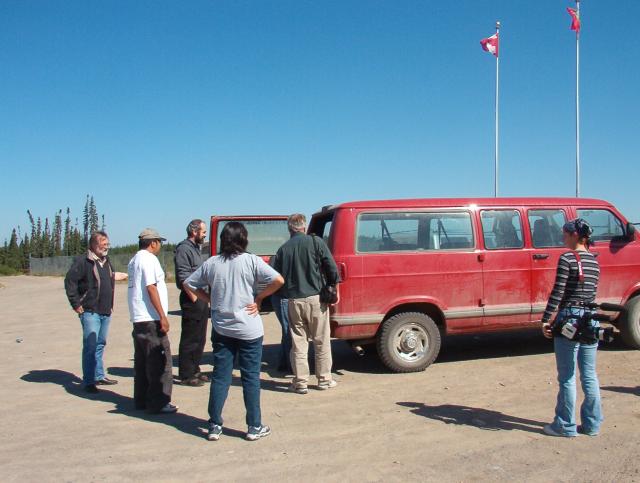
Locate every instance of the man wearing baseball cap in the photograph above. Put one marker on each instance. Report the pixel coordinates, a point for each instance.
(148, 307)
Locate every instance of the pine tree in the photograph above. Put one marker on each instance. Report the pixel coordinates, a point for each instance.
(37, 240)
(78, 240)
(85, 222)
(12, 251)
(104, 226)
(57, 234)
(66, 248)
(25, 249)
(33, 224)
(93, 217)
(45, 248)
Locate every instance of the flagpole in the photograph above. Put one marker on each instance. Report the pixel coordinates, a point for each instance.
(496, 158)
(578, 104)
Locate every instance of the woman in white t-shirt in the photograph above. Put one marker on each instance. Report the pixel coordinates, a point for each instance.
(233, 278)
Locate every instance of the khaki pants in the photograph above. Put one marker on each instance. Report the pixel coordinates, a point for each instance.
(309, 320)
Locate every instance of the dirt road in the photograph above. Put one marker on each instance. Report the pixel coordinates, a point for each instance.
(475, 415)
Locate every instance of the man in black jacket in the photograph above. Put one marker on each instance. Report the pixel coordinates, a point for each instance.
(195, 312)
(90, 286)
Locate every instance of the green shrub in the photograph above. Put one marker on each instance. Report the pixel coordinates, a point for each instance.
(6, 270)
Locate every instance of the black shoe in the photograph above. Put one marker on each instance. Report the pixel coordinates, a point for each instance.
(285, 370)
(203, 377)
(91, 389)
(193, 382)
(106, 382)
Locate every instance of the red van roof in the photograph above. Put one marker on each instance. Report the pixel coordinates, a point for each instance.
(455, 202)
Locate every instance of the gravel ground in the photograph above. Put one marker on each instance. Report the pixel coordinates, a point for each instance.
(474, 415)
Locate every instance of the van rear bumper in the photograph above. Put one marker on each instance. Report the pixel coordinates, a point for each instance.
(355, 326)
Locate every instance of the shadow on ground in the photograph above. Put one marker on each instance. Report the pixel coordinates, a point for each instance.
(624, 390)
(477, 417)
(265, 384)
(122, 404)
(454, 349)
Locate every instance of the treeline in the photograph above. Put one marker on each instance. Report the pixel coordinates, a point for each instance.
(50, 238)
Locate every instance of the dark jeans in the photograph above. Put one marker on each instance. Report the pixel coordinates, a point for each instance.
(193, 336)
(281, 308)
(249, 359)
(153, 380)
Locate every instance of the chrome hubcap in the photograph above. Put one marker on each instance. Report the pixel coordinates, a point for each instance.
(411, 342)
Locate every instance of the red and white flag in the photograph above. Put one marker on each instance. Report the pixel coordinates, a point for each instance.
(490, 44)
(575, 19)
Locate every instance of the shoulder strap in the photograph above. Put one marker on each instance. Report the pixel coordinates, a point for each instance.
(580, 270)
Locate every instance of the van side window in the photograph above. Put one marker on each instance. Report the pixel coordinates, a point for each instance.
(546, 227)
(383, 232)
(605, 224)
(327, 231)
(502, 229)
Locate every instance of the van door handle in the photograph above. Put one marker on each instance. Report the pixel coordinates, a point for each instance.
(540, 256)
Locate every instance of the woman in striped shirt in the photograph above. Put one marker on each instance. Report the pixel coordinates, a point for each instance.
(576, 285)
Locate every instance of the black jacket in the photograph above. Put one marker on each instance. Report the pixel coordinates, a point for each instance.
(187, 258)
(82, 283)
(300, 261)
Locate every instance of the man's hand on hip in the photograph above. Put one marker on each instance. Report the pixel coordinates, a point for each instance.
(79, 310)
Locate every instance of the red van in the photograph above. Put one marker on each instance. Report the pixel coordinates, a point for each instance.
(416, 270)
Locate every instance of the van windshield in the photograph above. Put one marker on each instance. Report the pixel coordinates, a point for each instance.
(265, 236)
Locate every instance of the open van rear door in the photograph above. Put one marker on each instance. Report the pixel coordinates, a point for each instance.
(266, 235)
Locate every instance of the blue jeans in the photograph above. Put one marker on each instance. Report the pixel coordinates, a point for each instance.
(249, 359)
(568, 353)
(281, 308)
(95, 328)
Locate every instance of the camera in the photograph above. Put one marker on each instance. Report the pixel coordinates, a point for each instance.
(581, 329)
(598, 333)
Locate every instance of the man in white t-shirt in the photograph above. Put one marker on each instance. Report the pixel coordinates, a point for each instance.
(148, 307)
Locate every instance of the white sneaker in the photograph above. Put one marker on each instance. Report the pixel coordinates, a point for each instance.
(298, 390)
(215, 430)
(327, 385)
(549, 431)
(255, 433)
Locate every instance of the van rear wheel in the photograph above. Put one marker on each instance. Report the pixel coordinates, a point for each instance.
(629, 324)
(408, 342)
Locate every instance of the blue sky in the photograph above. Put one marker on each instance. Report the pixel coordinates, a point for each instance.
(166, 111)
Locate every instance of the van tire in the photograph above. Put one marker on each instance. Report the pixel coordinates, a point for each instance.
(629, 324)
(398, 333)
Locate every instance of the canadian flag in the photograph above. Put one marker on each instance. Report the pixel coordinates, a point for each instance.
(490, 44)
(575, 19)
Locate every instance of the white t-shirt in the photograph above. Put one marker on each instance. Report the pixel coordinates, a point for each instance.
(144, 270)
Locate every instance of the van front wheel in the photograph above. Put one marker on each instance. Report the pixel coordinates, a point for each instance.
(630, 323)
(408, 342)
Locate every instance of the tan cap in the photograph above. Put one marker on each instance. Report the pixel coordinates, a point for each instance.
(150, 234)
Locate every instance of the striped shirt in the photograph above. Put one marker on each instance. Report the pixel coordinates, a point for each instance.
(568, 288)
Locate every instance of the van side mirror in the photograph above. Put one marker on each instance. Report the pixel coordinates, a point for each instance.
(631, 231)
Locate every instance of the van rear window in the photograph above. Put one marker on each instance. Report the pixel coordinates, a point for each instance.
(411, 231)
(265, 236)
